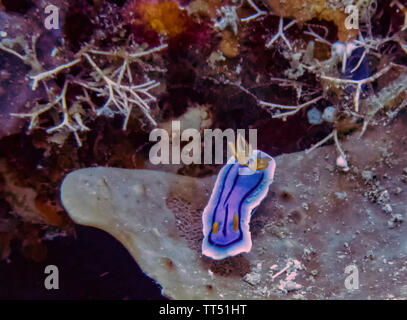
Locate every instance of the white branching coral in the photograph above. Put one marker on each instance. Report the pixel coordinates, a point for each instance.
(280, 33)
(72, 123)
(71, 118)
(343, 51)
(293, 109)
(50, 73)
(227, 16)
(352, 74)
(117, 86)
(29, 57)
(358, 83)
(258, 13)
(119, 95)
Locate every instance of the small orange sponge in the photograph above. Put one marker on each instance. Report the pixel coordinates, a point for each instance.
(164, 17)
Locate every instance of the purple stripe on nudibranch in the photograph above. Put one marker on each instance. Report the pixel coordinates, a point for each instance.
(238, 191)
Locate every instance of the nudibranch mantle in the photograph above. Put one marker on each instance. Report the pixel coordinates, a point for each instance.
(238, 191)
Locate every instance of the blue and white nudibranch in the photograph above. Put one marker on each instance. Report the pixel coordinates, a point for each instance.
(241, 185)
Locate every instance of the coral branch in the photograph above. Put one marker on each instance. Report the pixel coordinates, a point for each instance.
(316, 36)
(258, 13)
(35, 114)
(130, 55)
(294, 109)
(67, 122)
(11, 51)
(358, 83)
(120, 95)
(29, 57)
(228, 16)
(123, 97)
(50, 73)
(280, 33)
(320, 143)
(341, 160)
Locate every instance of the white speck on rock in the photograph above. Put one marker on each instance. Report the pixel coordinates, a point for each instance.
(252, 278)
(367, 175)
(387, 208)
(341, 195)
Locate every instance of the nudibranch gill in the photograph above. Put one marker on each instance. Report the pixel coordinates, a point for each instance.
(240, 187)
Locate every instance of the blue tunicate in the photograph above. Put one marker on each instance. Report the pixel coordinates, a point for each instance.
(329, 114)
(314, 116)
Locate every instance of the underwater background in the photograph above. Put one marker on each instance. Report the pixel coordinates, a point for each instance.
(84, 83)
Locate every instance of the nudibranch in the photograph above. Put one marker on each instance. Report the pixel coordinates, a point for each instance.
(241, 185)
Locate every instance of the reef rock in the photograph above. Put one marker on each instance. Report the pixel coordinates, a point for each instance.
(315, 222)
